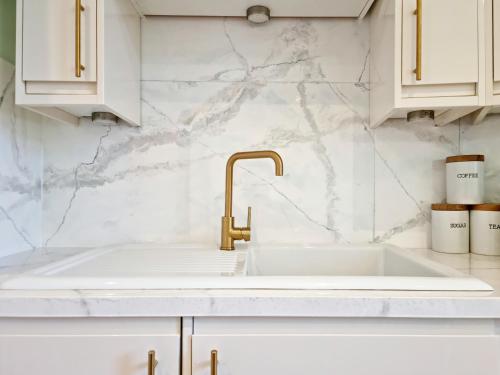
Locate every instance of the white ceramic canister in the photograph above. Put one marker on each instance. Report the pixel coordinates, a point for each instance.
(465, 179)
(450, 228)
(485, 229)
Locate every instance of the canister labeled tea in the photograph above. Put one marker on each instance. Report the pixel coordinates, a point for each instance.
(450, 228)
(465, 179)
(485, 229)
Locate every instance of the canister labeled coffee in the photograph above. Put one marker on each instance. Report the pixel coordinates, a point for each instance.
(465, 179)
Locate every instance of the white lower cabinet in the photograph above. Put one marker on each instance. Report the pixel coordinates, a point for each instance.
(325, 346)
(249, 346)
(108, 346)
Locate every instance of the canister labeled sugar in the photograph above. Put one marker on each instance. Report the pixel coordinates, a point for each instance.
(450, 228)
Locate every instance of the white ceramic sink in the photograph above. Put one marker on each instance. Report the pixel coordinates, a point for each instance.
(160, 267)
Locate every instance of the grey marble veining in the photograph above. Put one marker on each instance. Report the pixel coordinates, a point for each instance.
(234, 50)
(299, 87)
(410, 176)
(20, 171)
(179, 163)
(239, 87)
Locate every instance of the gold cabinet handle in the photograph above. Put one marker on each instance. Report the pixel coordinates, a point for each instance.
(249, 218)
(152, 362)
(213, 362)
(79, 8)
(418, 13)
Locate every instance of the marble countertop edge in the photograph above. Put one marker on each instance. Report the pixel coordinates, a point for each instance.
(57, 304)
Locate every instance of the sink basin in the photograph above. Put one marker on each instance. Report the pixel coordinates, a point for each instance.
(340, 262)
(161, 267)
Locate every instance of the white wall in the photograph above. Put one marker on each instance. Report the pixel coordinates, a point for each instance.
(212, 87)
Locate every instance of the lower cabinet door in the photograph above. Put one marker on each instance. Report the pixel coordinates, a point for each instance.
(346, 355)
(122, 352)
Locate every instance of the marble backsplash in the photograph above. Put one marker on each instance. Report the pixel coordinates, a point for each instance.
(212, 87)
(20, 171)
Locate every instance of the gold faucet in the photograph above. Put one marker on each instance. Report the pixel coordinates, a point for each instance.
(229, 232)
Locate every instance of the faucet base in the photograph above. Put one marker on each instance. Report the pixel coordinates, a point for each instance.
(227, 242)
(229, 233)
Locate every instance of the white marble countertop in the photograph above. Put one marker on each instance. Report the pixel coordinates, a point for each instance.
(311, 303)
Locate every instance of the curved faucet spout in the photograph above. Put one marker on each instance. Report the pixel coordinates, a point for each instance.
(278, 162)
(229, 232)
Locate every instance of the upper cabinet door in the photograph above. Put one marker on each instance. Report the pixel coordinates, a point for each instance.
(449, 42)
(496, 40)
(49, 40)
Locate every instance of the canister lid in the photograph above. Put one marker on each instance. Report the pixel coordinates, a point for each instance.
(461, 158)
(486, 207)
(449, 207)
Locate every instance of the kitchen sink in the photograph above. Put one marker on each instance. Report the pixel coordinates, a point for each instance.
(381, 267)
(340, 262)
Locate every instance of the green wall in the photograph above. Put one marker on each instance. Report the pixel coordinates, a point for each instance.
(8, 30)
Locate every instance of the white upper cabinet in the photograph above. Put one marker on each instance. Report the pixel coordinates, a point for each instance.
(492, 27)
(426, 54)
(237, 8)
(49, 48)
(495, 6)
(449, 46)
(72, 61)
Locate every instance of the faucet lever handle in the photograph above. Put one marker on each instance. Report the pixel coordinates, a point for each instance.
(249, 217)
